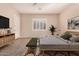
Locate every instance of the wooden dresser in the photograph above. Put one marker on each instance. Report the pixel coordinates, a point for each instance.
(6, 39)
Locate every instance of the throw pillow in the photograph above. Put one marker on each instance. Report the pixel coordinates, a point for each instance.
(66, 36)
(75, 39)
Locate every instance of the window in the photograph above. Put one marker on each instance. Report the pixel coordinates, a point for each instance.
(39, 24)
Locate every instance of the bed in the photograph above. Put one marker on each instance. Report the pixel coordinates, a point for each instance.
(55, 43)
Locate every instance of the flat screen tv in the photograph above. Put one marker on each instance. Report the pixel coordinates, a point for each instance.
(4, 22)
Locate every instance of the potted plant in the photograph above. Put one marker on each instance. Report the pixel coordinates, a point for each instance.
(52, 29)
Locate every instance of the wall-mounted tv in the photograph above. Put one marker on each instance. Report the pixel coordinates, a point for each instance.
(4, 22)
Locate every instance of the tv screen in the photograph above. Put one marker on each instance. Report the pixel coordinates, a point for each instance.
(4, 22)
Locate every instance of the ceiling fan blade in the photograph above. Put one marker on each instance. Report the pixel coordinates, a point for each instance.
(34, 4)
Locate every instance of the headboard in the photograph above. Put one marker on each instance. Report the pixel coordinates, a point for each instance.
(74, 33)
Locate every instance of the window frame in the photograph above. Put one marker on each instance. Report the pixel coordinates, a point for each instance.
(39, 20)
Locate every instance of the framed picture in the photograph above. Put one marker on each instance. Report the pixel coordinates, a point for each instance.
(73, 23)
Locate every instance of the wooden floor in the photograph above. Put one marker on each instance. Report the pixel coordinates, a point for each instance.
(17, 48)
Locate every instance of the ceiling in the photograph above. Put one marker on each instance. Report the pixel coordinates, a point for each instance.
(40, 8)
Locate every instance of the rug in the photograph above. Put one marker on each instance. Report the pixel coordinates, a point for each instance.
(56, 53)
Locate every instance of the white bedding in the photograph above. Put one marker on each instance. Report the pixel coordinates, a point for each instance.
(50, 40)
(55, 40)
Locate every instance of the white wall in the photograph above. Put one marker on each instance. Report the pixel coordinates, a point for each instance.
(23, 27)
(68, 13)
(8, 11)
(26, 24)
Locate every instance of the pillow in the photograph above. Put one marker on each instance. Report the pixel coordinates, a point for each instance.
(75, 39)
(66, 36)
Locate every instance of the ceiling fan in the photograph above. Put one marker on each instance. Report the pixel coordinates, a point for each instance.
(36, 4)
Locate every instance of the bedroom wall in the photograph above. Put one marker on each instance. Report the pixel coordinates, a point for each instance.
(10, 12)
(26, 24)
(68, 13)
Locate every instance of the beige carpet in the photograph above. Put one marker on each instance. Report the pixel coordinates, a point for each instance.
(17, 48)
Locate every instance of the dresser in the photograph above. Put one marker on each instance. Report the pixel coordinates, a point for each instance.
(6, 39)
